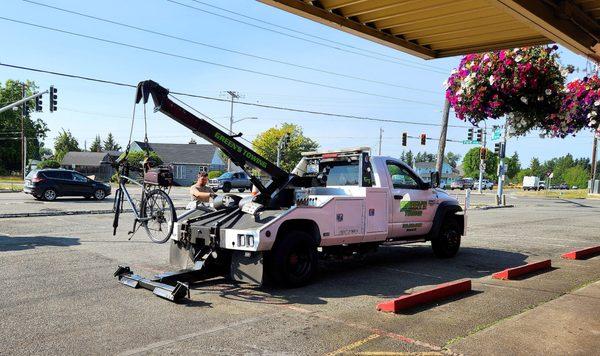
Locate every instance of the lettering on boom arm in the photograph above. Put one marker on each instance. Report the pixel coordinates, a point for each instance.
(257, 161)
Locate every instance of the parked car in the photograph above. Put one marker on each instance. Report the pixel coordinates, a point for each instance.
(542, 185)
(231, 180)
(485, 184)
(563, 186)
(463, 183)
(48, 184)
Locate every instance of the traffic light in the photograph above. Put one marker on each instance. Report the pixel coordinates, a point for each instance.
(423, 139)
(499, 149)
(404, 138)
(38, 103)
(470, 134)
(53, 98)
(480, 135)
(483, 153)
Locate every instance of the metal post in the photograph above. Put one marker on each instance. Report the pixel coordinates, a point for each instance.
(442, 144)
(19, 102)
(25, 162)
(380, 139)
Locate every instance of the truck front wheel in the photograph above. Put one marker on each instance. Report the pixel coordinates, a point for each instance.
(447, 243)
(294, 259)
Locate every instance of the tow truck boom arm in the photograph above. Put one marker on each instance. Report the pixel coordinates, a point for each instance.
(239, 154)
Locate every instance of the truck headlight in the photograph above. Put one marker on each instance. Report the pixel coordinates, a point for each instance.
(250, 240)
(241, 240)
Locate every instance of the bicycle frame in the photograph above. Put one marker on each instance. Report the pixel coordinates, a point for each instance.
(123, 188)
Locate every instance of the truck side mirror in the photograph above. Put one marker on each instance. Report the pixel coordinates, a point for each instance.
(435, 179)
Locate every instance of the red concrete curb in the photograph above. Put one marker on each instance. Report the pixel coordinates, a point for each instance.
(441, 291)
(511, 273)
(584, 252)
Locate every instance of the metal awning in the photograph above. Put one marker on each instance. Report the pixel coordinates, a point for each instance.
(442, 28)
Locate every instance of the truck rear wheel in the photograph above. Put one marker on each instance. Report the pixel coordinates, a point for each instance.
(226, 187)
(293, 260)
(447, 243)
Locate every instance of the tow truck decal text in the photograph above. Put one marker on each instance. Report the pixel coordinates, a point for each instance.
(239, 149)
(413, 208)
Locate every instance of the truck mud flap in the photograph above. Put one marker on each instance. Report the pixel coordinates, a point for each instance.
(171, 292)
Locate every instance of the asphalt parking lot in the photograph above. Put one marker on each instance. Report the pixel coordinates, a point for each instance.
(58, 294)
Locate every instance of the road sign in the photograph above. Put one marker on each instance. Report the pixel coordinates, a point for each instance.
(471, 142)
(497, 134)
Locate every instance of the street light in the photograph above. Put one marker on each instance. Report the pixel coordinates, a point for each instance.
(231, 122)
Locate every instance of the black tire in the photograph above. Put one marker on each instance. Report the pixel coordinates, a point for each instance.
(160, 208)
(293, 262)
(226, 187)
(447, 243)
(241, 190)
(49, 194)
(99, 194)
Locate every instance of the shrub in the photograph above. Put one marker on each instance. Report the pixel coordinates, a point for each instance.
(49, 163)
(214, 174)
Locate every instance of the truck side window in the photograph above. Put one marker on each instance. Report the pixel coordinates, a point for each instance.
(401, 177)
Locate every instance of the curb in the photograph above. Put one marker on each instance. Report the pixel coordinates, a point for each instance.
(582, 253)
(441, 291)
(64, 213)
(511, 273)
(488, 207)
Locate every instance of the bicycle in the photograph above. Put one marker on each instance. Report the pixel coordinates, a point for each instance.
(155, 213)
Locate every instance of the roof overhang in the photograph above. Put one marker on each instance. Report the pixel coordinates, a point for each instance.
(442, 28)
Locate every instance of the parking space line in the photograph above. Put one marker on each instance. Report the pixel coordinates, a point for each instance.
(354, 345)
(180, 338)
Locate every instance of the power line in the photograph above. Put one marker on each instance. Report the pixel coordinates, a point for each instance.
(314, 36)
(187, 40)
(246, 70)
(397, 61)
(266, 106)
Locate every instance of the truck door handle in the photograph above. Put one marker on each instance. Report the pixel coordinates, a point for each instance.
(398, 197)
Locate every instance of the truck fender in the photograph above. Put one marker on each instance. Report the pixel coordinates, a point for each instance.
(305, 225)
(445, 208)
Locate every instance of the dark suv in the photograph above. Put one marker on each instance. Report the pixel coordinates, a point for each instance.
(47, 184)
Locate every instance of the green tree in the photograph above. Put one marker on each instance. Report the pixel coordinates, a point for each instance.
(110, 144)
(536, 168)
(471, 163)
(452, 158)
(65, 142)
(135, 158)
(425, 157)
(513, 165)
(10, 127)
(576, 176)
(96, 145)
(266, 145)
(407, 157)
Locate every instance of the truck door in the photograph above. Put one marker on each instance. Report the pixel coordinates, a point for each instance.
(412, 205)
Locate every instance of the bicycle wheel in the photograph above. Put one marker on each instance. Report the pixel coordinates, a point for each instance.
(158, 207)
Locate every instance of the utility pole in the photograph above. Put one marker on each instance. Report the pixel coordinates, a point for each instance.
(380, 139)
(594, 161)
(442, 144)
(234, 95)
(23, 114)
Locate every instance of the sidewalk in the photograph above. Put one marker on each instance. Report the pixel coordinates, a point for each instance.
(568, 325)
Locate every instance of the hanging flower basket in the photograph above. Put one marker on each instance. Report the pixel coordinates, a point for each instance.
(580, 108)
(523, 84)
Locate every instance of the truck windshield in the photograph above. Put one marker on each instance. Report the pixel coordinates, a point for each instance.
(227, 175)
(344, 174)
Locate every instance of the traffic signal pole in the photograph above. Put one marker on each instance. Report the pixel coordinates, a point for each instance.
(482, 156)
(501, 165)
(19, 102)
(442, 143)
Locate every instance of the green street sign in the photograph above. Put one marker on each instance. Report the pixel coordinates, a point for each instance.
(471, 142)
(497, 134)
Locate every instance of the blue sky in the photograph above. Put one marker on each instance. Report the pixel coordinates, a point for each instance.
(88, 108)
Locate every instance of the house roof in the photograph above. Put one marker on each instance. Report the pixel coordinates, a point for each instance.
(443, 28)
(181, 153)
(85, 158)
